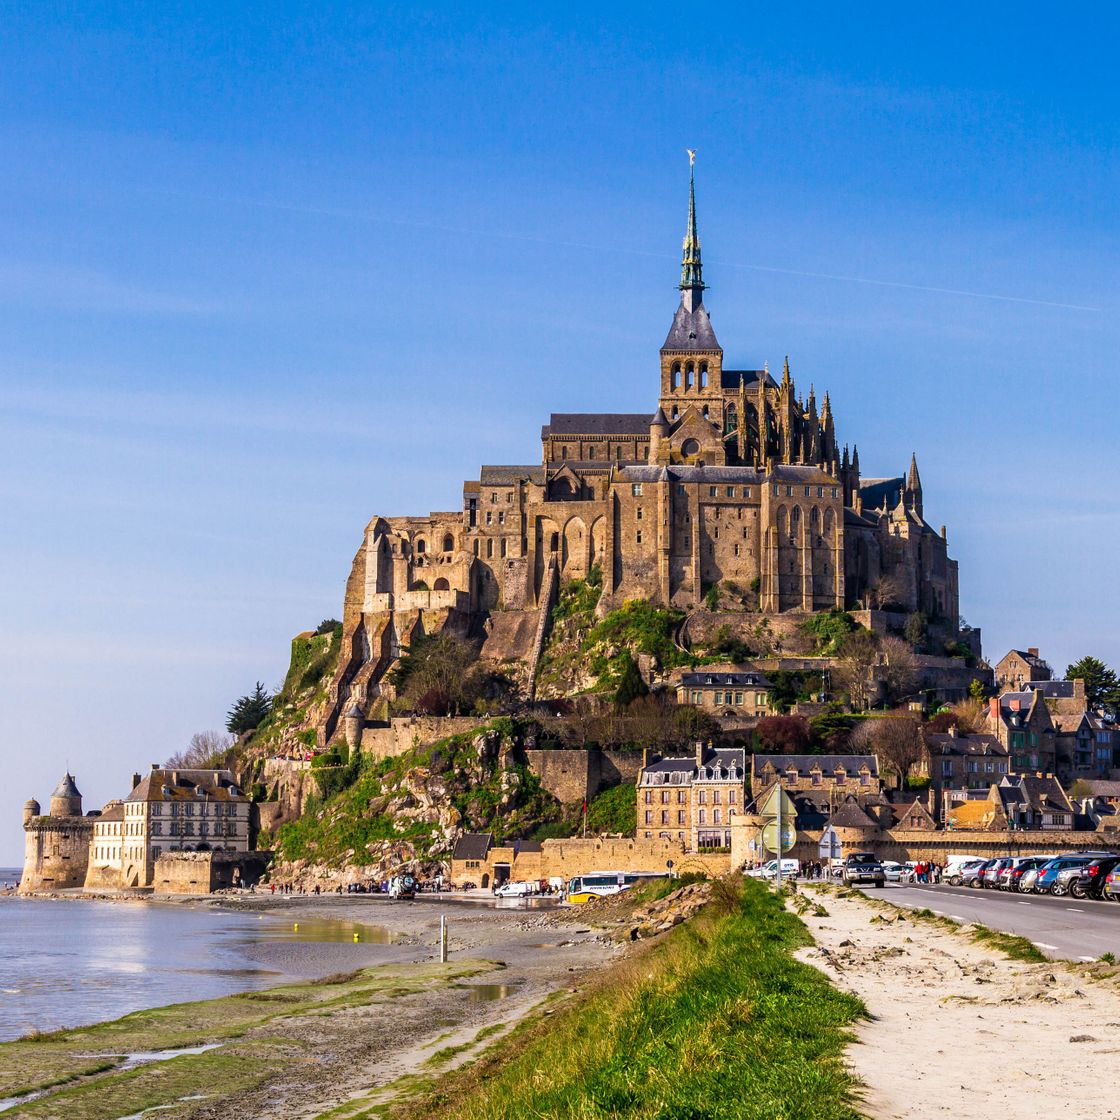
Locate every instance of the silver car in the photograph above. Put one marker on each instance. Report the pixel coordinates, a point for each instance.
(1026, 883)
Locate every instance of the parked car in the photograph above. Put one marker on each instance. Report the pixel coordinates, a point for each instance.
(864, 867)
(894, 871)
(513, 889)
(955, 872)
(1012, 877)
(1048, 874)
(791, 869)
(989, 877)
(974, 876)
(1089, 881)
(1112, 885)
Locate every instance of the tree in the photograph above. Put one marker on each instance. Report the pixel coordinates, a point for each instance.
(832, 730)
(439, 674)
(694, 725)
(895, 740)
(899, 672)
(783, 735)
(916, 631)
(969, 715)
(328, 625)
(249, 712)
(977, 691)
(1101, 684)
(852, 673)
(207, 750)
(630, 683)
(889, 593)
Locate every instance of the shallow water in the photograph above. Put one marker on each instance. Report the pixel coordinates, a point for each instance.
(65, 963)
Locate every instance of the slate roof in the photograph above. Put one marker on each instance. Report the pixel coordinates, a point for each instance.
(171, 784)
(741, 680)
(491, 475)
(691, 330)
(112, 813)
(1098, 788)
(665, 769)
(805, 763)
(1041, 794)
(876, 492)
(472, 845)
(1027, 656)
(729, 379)
(1052, 690)
(979, 744)
(66, 787)
(850, 815)
(597, 424)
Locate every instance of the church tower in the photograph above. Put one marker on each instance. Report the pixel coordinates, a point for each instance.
(691, 358)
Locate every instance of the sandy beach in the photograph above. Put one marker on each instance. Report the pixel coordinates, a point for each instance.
(960, 1030)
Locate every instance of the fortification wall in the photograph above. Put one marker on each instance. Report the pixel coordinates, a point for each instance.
(405, 732)
(206, 872)
(56, 853)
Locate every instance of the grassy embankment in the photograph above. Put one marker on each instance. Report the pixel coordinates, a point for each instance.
(79, 1066)
(714, 1020)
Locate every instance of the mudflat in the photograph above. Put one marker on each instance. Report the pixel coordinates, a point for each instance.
(337, 1045)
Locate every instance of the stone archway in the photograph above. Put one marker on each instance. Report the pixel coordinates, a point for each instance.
(573, 559)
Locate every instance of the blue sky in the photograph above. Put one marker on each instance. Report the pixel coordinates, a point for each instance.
(268, 269)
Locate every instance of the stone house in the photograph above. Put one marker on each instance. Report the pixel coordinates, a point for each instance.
(692, 800)
(1035, 801)
(1017, 667)
(954, 763)
(169, 810)
(741, 694)
(842, 773)
(1022, 723)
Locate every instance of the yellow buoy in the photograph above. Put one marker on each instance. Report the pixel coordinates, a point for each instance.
(295, 925)
(355, 937)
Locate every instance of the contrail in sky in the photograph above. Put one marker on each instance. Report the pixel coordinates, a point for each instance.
(356, 215)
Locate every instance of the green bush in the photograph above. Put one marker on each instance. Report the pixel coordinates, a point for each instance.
(828, 629)
(613, 810)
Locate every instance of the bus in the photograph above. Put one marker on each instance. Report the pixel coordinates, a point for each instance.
(583, 888)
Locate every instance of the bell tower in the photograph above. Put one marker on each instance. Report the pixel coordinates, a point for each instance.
(692, 359)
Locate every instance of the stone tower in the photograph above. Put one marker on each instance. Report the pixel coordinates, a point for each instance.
(56, 847)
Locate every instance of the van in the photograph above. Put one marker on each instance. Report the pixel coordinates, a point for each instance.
(791, 868)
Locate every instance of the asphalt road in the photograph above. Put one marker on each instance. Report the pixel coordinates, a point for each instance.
(1077, 929)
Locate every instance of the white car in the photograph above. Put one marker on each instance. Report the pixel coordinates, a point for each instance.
(895, 872)
(515, 890)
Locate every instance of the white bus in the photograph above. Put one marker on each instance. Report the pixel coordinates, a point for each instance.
(583, 888)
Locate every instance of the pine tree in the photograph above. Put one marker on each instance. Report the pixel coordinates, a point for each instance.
(630, 684)
(249, 712)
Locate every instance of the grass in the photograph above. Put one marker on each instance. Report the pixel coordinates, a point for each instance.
(714, 1020)
(1010, 944)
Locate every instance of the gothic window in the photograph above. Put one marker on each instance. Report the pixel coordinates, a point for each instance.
(503, 546)
(706, 417)
(476, 548)
(689, 448)
(730, 420)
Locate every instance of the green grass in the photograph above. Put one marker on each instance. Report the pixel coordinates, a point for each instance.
(1011, 945)
(715, 1021)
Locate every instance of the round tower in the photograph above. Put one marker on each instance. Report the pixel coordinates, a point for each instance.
(353, 721)
(31, 809)
(66, 801)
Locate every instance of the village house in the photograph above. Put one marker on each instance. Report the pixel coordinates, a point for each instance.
(844, 773)
(692, 799)
(957, 764)
(1017, 667)
(1021, 722)
(168, 810)
(1035, 801)
(730, 695)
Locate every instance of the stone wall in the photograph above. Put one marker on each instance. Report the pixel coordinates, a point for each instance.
(288, 783)
(565, 858)
(405, 732)
(206, 872)
(572, 775)
(56, 853)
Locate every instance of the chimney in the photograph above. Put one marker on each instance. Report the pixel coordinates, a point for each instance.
(993, 706)
(155, 765)
(1032, 650)
(135, 780)
(699, 753)
(952, 731)
(645, 757)
(174, 777)
(1078, 689)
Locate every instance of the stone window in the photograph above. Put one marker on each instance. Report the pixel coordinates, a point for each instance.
(719, 698)
(503, 546)
(777, 490)
(636, 489)
(834, 491)
(509, 495)
(563, 452)
(638, 537)
(808, 491)
(675, 377)
(706, 417)
(639, 514)
(715, 797)
(448, 543)
(702, 796)
(738, 698)
(664, 816)
(489, 518)
(713, 491)
(680, 489)
(493, 497)
(731, 800)
(715, 816)
(421, 545)
(746, 491)
(664, 797)
(731, 491)
(701, 817)
(789, 491)
(736, 550)
(649, 797)
(681, 817)
(690, 447)
(649, 816)
(502, 517)
(476, 552)
(697, 696)
(681, 797)
(704, 377)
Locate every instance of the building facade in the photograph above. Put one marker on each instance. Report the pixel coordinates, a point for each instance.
(734, 475)
(740, 694)
(692, 800)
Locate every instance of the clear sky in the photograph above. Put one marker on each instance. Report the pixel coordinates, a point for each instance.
(267, 269)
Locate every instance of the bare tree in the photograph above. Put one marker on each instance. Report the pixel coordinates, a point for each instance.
(852, 671)
(895, 740)
(207, 750)
(888, 593)
(899, 669)
(969, 715)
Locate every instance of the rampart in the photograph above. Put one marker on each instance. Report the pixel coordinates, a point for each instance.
(206, 872)
(56, 853)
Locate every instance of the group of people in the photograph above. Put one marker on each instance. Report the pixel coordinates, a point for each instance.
(927, 872)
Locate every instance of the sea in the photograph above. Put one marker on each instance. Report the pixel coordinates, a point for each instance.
(67, 963)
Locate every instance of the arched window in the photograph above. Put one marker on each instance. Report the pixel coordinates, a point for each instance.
(489, 548)
(689, 448)
(441, 585)
(476, 547)
(503, 546)
(421, 545)
(730, 421)
(676, 413)
(449, 543)
(783, 529)
(815, 522)
(703, 375)
(688, 376)
(828, 522)
(794, 523)
(675, 376)
(706, 416)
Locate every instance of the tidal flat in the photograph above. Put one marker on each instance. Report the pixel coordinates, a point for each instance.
(306, 1048)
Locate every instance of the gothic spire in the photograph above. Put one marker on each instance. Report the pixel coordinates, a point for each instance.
(692, 278)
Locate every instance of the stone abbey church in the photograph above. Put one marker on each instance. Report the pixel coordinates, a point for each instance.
(733, 476)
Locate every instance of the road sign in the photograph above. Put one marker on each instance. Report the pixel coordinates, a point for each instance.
(769, 806)
(770, 836)
(831, 846)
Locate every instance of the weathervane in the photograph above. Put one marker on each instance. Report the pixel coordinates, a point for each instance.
(691, 156)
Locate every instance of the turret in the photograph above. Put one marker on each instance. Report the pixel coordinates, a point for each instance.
(31, 809)
(66, 801)
(352, 727)
(658, 432)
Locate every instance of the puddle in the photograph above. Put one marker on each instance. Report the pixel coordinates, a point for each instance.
(484, 993)
(143, 1057)
(163, 1107)
(325, 929)
(11, 1102)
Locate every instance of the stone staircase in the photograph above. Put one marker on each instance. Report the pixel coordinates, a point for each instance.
(548, 594)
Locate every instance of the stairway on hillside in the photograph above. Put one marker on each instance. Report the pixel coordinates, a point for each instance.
(548, 593)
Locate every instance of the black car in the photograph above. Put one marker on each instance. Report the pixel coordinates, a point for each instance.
(1089, 880)
(864, 867)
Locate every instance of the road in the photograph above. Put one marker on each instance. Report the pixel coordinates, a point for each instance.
(1077, 929)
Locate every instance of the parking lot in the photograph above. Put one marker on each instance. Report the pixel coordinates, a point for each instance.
(1077, 929)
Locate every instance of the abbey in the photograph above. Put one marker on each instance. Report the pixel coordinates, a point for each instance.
(734, 476)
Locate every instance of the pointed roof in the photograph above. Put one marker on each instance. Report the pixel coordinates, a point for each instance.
(913, 480)
(66, 787)
(692, 326)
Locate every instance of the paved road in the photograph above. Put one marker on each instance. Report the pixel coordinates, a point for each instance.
(1061, 927)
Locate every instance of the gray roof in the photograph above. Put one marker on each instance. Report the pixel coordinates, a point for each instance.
(748, 680)
(598, 424)
(850, 815)
(786, 472)
(729, 379)
(510, 475)
(691, 330)
(735, 756)
(982, 744)
(66, 787)
(1052, 690)
(805, 763)
(472, 845)
(877, 492)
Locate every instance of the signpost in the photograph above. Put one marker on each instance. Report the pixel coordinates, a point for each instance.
(831, 846)
(778, 834)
